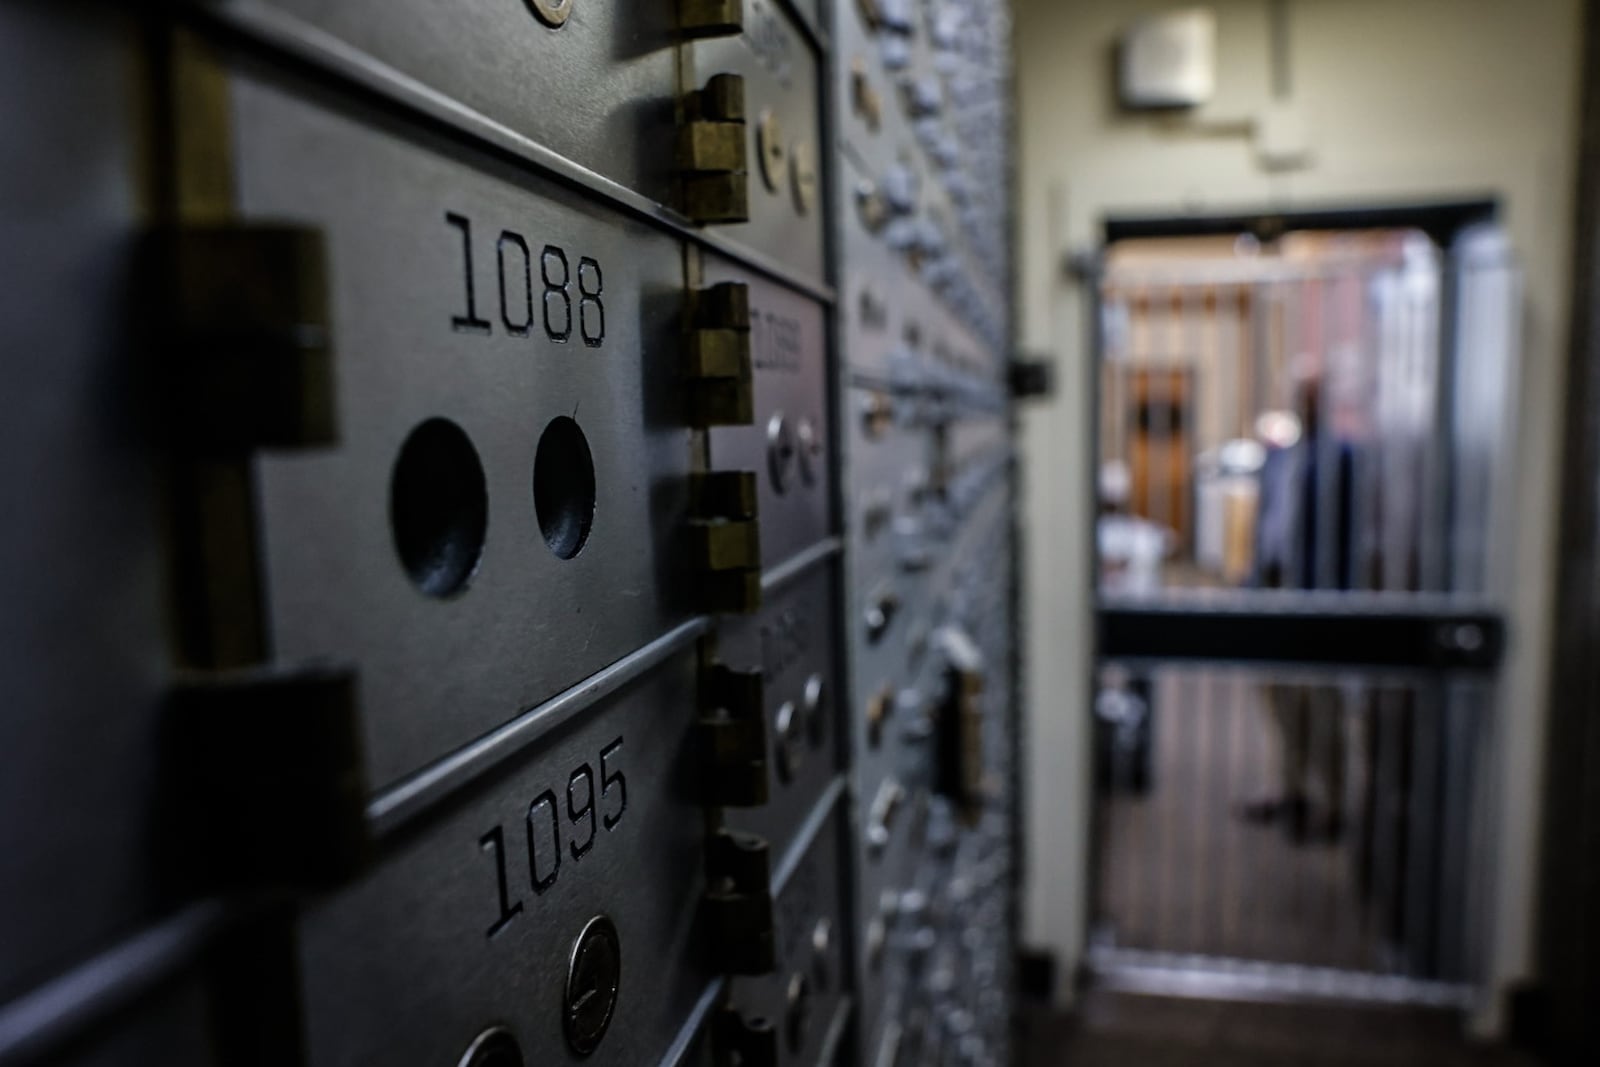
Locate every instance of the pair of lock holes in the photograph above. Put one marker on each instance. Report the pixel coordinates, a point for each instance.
(439, 501)
(802, 987)
(798, 163)
(795, 725)
(789, 447)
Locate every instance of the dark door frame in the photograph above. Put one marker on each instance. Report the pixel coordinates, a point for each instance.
(1558, 1015)
(1412, 636)
(1441, 220)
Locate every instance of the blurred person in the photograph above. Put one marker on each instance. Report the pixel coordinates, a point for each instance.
(1292, 533)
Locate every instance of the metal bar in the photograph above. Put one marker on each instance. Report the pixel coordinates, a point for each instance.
(1163, 786)
(1298, 745)
(798, 565)
(1346, 631)
(1234, 887)
(1423, 809)
(395, 808)
(40, 1021)
(815, 821)
(1189, 815)
(1462, 718)
(1285, 351)
(1389, 842)
(1438, 544)
(1261, 313)
(689, 1033)
(1169, 974)
(1326, 446)
(1209, 863)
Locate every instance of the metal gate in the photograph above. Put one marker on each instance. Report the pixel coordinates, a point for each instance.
(1301, 451)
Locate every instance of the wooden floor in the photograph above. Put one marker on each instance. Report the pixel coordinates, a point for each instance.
(1125, 1030)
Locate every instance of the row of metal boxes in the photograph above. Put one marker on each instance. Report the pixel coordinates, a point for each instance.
(436, 621)
(923, 91)
(923, 232)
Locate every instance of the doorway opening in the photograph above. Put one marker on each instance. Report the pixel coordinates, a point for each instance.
(1304, 426)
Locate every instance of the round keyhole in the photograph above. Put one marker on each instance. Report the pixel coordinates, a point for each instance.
(594, 978)
(494, 1047)
(438, 507)
(564, 487)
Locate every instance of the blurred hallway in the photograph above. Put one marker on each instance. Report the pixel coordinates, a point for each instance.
(1120, 1029)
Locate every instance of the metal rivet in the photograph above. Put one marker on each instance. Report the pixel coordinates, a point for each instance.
(810, 449)
(780, 451)
(864, 98)
(877, 712)
(797, 1016)
(551, 12)
(821, 955)
(816, 706)
(877, 415)
(594, 976)
(790, 750)
(769, 146)
(822, 936)
(803, 167)
(877, 938)
(872, 207)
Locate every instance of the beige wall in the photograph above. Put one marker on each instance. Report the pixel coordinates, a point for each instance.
(1400, 100)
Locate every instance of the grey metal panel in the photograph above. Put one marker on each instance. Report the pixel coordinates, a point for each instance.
(399, 136)
(789, 357)
(810, 986)
(409, 964)
(1485, 329)
(859, 80)
(871, 296)
(83, 654)
(880, 886)
(792, 642)
(781, 79)
(934, 152)
(888, 494)
(438, 672)
(600, 89)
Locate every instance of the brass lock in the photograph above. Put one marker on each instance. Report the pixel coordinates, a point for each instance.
(866, 101)
(710, 18)
(711, 152)
(878, 707)
(738, 904)
(717, 360)
(725, 541)
(959, 726)
(732, 731)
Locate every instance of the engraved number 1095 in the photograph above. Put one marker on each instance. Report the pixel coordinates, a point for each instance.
(589, 803)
